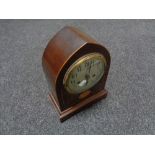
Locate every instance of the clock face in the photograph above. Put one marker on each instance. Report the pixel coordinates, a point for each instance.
(84, 73)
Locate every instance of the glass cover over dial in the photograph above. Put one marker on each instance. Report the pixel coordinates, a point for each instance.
(84, 73)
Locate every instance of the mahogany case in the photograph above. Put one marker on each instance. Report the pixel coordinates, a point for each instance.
(68, 45)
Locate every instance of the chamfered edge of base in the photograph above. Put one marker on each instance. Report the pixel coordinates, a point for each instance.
(78, 107)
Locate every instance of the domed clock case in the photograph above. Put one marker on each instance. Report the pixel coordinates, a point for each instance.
(65, 51)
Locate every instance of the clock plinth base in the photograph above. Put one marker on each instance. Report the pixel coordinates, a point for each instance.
(78, 107)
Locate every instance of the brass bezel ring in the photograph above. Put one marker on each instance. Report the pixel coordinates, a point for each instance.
(78, 62)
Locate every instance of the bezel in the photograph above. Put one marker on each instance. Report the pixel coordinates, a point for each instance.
(77, 63)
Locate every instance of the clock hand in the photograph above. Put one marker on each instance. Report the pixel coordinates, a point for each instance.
(89, 68)
(87, 78)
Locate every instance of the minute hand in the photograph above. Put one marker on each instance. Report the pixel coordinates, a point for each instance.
(89, 68)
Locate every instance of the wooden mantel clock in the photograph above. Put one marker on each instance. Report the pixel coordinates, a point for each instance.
(76, 67)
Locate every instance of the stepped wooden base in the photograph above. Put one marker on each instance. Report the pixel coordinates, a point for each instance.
(78, 107)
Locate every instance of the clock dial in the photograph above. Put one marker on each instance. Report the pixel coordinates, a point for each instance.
(84, 73)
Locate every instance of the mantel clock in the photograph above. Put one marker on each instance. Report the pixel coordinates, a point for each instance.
(76, 68)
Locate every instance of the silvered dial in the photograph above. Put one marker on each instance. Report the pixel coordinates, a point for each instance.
(84, 73)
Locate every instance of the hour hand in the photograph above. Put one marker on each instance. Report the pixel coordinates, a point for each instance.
(87, 78)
